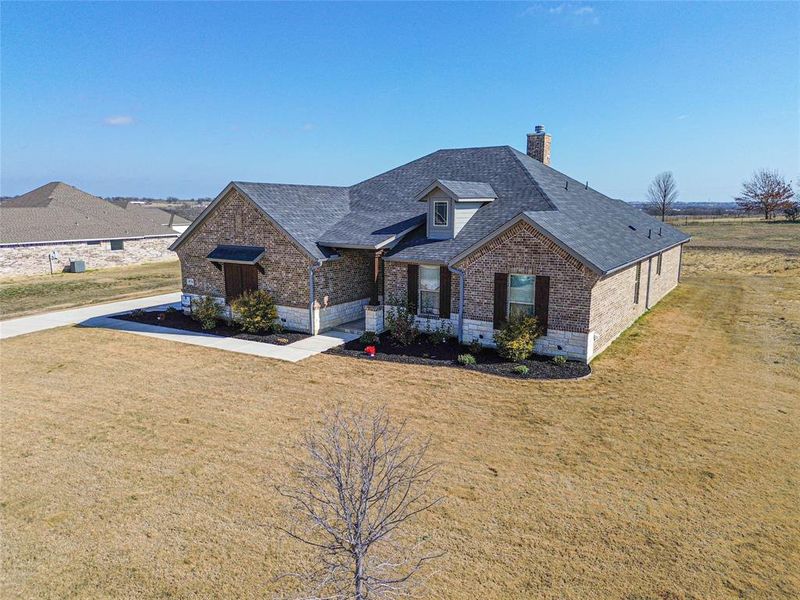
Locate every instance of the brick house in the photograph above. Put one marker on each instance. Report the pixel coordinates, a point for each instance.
(465, 236)
(43, 230)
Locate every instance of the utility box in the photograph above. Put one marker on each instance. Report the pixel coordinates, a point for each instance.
(77, 266)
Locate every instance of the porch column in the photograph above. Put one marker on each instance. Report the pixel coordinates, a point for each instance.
(377, 266)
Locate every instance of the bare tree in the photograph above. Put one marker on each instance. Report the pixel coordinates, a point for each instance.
(766, 191)
(362, 480)
(662, 194)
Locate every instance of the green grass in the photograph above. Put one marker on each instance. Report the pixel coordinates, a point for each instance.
(25, 295)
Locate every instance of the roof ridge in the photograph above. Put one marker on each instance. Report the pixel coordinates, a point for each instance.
(305, 185)
(547, 198)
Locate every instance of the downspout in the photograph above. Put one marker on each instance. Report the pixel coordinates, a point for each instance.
(460, 274)
(311, 287)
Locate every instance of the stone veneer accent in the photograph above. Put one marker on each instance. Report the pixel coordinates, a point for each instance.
(32, 259)
(373, 318)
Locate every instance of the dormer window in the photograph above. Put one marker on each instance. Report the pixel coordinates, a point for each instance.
(440, 208)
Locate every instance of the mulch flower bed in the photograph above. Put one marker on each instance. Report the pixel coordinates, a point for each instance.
(178, 320)
(445, 354)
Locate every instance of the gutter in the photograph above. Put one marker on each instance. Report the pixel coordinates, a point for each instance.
(460, 274)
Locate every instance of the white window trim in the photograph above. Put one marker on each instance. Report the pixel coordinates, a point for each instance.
(446, 214)
(508, 293)
(420, 291)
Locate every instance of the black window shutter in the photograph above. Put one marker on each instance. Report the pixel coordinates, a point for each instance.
(500, 299)
(444, 292)
(413, 286)
(542, 301)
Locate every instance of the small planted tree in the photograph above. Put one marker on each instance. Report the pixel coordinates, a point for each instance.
(256, 312)
(662, 194)
(206, 311)
(402, 323)
(766, 192)
(360, 483)
(517, 337)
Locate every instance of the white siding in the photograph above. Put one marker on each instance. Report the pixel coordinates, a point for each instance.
(463, 212)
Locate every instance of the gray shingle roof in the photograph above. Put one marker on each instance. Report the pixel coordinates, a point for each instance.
(59, 212)
(374, 212)
(467, 190)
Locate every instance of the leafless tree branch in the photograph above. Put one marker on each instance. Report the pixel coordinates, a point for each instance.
(766, 192)
(662, 194)
(360, 480)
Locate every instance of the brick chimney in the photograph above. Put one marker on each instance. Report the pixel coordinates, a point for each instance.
(539, 145)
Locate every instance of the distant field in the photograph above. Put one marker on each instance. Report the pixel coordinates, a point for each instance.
(25, 295)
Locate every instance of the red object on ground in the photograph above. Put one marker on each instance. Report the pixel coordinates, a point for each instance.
(370, 350)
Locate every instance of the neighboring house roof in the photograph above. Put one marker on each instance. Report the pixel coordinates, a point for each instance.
(157, 216)
(57, 212)
(384, 210)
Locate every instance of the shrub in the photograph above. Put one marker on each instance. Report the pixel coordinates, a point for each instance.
(137, 313)
(466, 359)
(370, 338)
(441, 333)
(206, 311)
(256, 312)
(560, 360)
(171, 310)
(401, 323)
(516, 338)
(521, 370)
(475, 347)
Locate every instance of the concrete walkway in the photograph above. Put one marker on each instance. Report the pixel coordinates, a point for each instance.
(100, 316)
(72, 316)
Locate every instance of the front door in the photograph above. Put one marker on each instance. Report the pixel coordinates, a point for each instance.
(239, 279)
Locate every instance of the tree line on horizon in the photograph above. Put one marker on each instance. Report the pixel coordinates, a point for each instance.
(766, 192)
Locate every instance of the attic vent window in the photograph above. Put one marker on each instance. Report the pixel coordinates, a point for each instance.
(440, 213)
(631, 227)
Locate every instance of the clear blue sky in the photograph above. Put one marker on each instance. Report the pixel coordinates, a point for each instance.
(178, 99)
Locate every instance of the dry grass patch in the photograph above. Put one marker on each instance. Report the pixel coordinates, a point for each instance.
(26, 295)
(134, 467)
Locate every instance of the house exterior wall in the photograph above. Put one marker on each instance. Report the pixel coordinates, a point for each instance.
(613, 307)
(33, 259)
(523, 250)
(235, 220)
(439, 232)
(346, 279)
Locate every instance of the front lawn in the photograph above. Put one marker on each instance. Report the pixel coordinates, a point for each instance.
(135, 467)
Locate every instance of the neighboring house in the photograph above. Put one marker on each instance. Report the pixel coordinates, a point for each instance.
(157, 216)
(467, 236)
(52, 225)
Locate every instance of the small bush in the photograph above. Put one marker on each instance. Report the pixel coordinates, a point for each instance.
(256, 312)
(370, 338)
(441, 333)
(466, 359)
(206, 311)
(401, 323)
(560, 360)
(137, 313)
(517, 337)
(171, 310)
(521, 370)
(475, 347)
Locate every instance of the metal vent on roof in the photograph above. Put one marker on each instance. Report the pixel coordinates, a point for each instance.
(631, 227)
